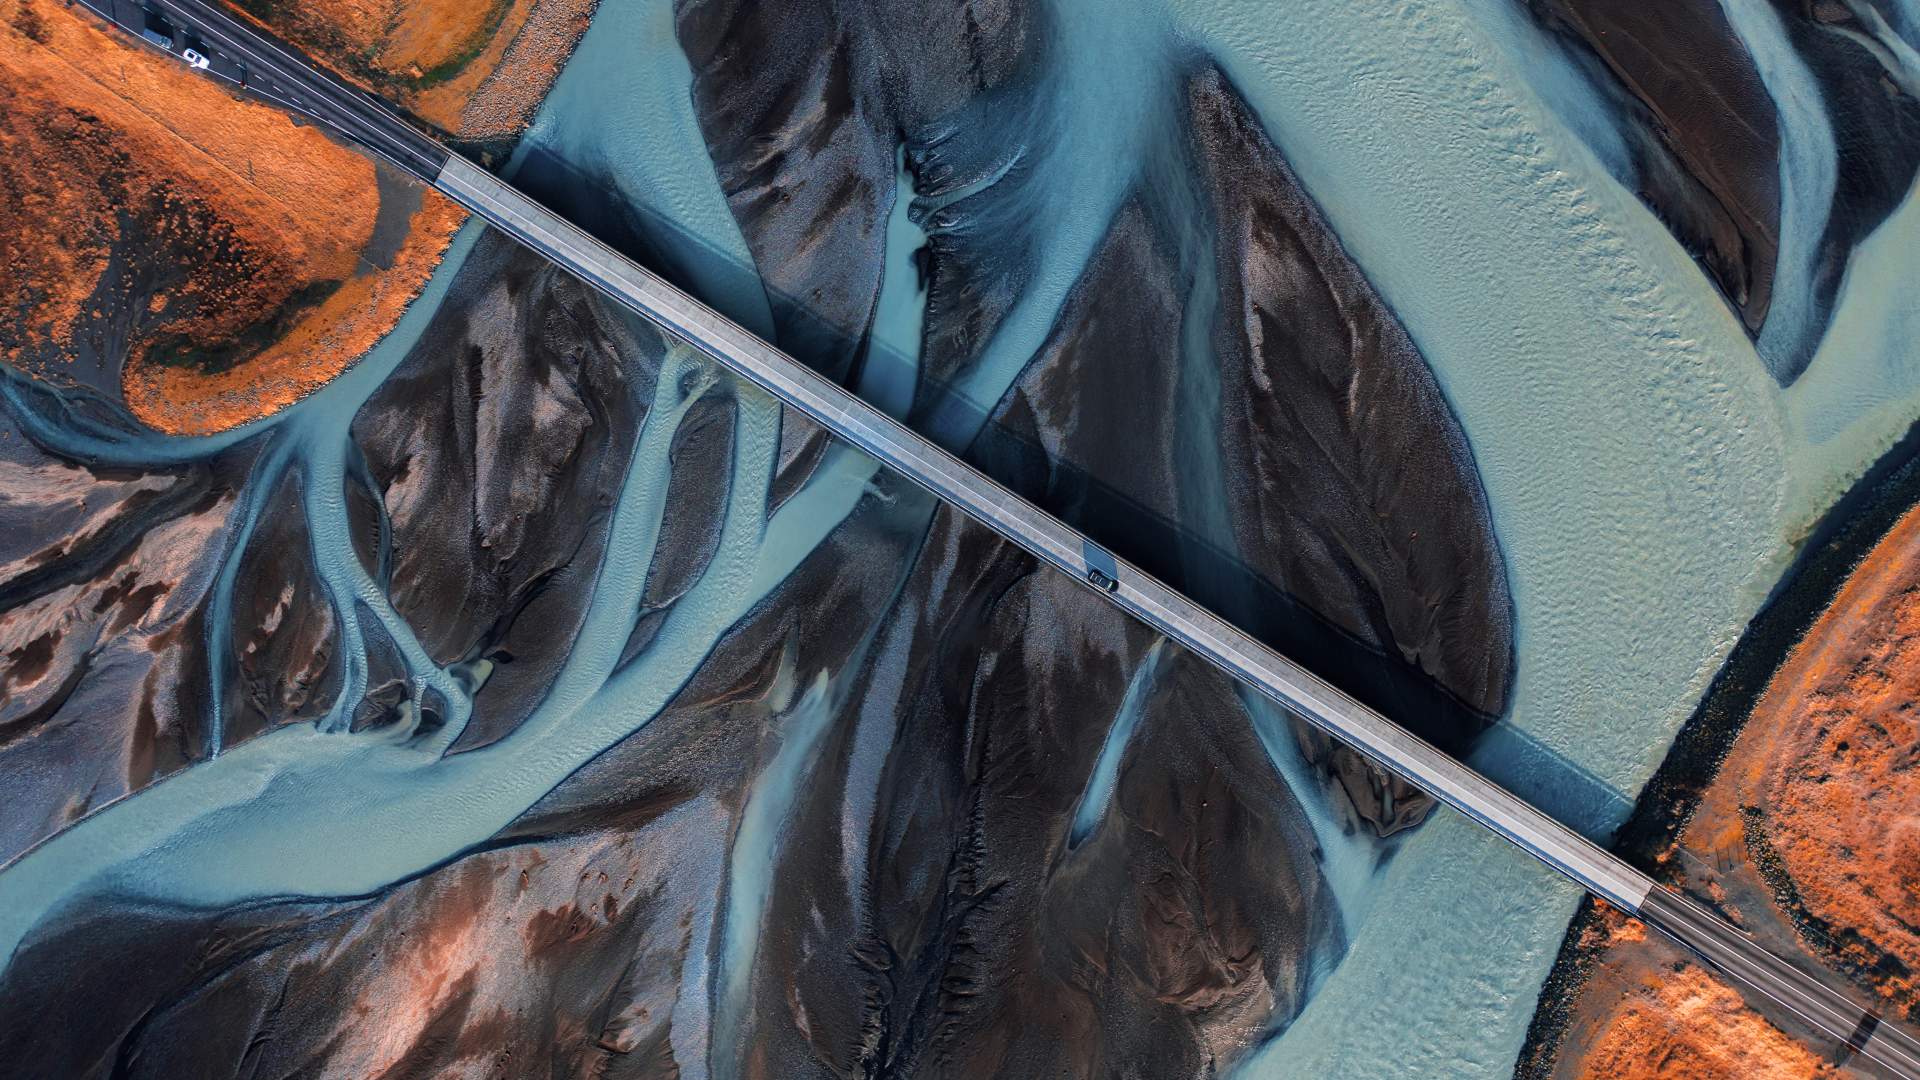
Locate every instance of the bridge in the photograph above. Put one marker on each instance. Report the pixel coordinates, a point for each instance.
(251, 59)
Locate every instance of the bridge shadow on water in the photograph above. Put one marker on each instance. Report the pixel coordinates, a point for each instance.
(1559, 786)
(1211, 574)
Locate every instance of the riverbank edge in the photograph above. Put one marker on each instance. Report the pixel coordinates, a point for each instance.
(1847, 533)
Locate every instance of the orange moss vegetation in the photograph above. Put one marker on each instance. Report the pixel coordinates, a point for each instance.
(1835, 747)
(1646, 1010)
(90, 121)
(223, 215)
(475, 68)
(325, 340)
(1684, 1024)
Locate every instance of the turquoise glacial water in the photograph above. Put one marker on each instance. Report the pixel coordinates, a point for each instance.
(1646, 475)
(622, 112)
(1092, 808)
(893, 353)
(1809, 173)
(1107, 91)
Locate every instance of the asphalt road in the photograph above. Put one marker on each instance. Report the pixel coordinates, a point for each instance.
(275, 72)
(243, 54)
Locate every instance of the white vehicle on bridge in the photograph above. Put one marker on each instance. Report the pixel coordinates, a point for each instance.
(193, 59)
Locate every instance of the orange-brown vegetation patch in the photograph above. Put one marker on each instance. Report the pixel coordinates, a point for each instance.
(322, 343)
(474, 68)
(1679, 1022)
(1829, 758)
(142, 206)
(91, 122)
